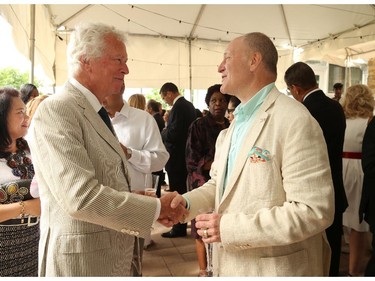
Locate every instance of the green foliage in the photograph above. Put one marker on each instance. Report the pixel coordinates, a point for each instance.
(13, 77)
(154, 94)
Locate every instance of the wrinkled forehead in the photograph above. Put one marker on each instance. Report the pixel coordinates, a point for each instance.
(237, 45)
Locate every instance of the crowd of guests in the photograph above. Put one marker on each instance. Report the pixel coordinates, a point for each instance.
(283, 176)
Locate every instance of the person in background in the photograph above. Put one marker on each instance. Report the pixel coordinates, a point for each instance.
(200, 151)
(271, 184)
(91, 222)
(140, 139)
(337, 90)
(152, 107)
(137, 101)
(301, 82)
(204, 112)
(19, 211)
(174, 138)
(32, 105)
(198, 113)
(28, 92)
(367, 206)
(165, 117)
(358, 105)
(233, 103)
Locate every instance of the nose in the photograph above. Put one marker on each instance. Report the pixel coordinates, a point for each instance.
(126, 69)
(220, 69)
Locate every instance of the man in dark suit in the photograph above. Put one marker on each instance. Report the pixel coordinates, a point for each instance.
(301, 82)
(367, 207)
(174, 137)
(152, 107)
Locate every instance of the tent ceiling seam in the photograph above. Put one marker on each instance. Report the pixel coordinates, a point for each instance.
(197, 20)
(286, 24)
(74, 15)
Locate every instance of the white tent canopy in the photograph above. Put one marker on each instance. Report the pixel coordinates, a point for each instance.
(185, 43)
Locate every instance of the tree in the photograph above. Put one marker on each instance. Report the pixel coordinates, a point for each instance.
(154, 95)
(13, 77)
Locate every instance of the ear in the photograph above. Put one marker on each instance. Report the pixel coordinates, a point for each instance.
(254, 60)
(85, 63)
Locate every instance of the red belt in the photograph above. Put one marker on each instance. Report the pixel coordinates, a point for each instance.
(352, 155)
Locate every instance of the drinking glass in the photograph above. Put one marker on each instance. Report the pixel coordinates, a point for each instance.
(209, 268)
(151, 184)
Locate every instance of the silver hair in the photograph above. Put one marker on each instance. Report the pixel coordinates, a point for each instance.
(87, 42)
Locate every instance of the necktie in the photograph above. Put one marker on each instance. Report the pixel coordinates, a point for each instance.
(104, 115)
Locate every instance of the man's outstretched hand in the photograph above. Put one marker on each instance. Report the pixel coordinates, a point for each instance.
(172, 212)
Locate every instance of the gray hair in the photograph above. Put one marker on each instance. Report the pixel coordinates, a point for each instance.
(87, 42)
(261, 43)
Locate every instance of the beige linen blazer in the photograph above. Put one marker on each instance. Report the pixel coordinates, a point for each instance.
(89, 218)
(279, 197)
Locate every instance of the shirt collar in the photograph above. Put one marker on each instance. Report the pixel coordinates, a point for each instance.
(125, 110)
(178, 97)
(93, 100)
(244, 111)
(309, 93)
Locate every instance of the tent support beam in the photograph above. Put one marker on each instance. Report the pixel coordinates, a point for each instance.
(286, 25)
(32, 42)
(191, 38)
(73, 16)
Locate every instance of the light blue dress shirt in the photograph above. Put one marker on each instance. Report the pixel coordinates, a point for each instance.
(244, 117)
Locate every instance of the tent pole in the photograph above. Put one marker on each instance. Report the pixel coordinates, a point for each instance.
(190, 73)
(32, 41)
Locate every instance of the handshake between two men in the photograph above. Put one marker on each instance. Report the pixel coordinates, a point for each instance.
(173, 211)
(171, 214)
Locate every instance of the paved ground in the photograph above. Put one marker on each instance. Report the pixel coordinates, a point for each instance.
(177, 257)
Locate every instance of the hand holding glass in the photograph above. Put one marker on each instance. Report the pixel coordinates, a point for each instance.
(209, 268)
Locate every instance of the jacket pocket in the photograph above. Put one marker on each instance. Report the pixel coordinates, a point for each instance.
(295, 264)
(84, 243)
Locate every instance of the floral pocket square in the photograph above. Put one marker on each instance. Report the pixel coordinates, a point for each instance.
(258, 155)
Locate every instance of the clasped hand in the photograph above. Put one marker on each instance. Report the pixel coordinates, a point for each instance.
(171, 214)
(208, 226)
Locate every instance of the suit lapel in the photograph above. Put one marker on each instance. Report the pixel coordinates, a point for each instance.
(248, 143)
(95, 120)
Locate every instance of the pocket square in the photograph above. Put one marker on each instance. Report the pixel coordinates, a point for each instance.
(258, 154)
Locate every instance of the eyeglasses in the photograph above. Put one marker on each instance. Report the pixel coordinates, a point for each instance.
(231, 110)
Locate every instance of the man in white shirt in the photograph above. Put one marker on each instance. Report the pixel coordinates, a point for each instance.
(139, 135)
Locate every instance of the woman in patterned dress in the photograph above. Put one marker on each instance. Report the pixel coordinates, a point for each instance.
(200, 151)
(19, 211)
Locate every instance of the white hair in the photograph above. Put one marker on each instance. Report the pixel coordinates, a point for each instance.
(87, 42)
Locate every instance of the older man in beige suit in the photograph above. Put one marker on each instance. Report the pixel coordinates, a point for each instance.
(270, 184)
(90, 222)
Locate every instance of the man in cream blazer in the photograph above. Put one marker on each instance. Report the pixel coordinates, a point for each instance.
(270, 184)
(90, 221)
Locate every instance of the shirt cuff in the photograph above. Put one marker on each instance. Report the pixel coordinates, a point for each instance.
(136, 156)
(187, 202)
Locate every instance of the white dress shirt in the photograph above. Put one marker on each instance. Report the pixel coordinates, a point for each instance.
(136, 129)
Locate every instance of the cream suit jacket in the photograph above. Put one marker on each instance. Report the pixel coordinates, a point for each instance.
(279, 197)
(89, 218)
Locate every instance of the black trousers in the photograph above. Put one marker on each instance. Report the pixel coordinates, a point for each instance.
(177, 182)
(161, 180)
(370, 269)
(334, 236)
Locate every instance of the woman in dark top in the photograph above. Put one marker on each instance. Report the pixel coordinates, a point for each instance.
(19, 211)
(200, 151)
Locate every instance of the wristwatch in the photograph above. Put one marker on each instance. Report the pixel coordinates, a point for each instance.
(129, 153)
